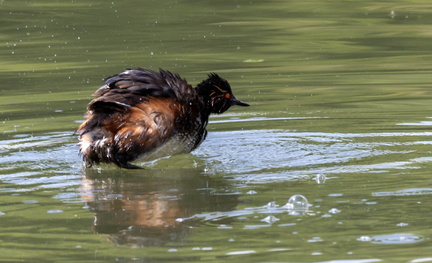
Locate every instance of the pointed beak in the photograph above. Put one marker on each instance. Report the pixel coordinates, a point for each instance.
(235, 101)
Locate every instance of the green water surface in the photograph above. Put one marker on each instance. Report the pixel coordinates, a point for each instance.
(339, 91)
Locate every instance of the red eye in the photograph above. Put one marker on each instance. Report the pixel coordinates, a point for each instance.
(227, 95)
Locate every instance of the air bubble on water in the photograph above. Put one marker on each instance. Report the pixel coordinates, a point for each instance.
(271, 204)
(297, 205)
(297, 202)
(402, 224)
(270, 219)
(320, 178)
(364, 238)
(334, 211)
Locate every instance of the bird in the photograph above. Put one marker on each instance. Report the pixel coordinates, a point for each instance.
(145, 114)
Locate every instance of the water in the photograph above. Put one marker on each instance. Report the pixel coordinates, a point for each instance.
(340, 95)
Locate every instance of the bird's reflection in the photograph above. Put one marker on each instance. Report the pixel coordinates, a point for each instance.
(142, 208)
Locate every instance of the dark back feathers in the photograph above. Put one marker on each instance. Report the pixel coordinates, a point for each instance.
(136, 85)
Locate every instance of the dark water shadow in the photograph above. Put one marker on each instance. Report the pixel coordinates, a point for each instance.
(145, 207)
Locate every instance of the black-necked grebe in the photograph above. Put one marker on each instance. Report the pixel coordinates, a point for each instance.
(141, 113)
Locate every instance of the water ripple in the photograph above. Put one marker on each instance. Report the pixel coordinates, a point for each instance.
(253, 156)
(275, 155)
